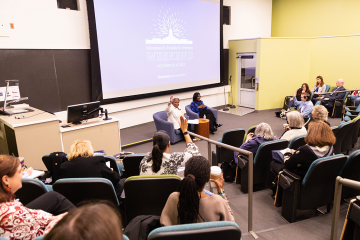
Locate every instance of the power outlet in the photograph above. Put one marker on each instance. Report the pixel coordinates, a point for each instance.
(229, 94)
(4, 29)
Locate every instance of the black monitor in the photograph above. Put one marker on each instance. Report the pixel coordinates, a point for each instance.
(80, 112)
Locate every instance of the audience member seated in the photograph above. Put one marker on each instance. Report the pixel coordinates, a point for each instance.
(295, 127)
(263, 133)
(319, 88)
(199, 107)
(304, 88)
(174, 112)
(191, 204)
(305, 106)
(355, 98)
(319, 113)
(160, 161)
(83, 164)
(24, 222)
(320, 140)
(330, 98)
(91, 221)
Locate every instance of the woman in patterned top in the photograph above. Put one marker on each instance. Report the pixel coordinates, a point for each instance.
(160, 161)
(18, 221)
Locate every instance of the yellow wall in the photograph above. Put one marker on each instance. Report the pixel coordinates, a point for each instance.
(310, 18)
(337, 57)
(283, 64)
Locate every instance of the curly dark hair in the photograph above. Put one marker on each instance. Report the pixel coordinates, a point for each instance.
(195, 96)
(160, 141)
(189, 188)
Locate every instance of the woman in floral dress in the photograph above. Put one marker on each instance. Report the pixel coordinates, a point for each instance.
(159, 161)
(26, 222)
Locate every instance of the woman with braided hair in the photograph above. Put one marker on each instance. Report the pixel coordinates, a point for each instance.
(191, 204)
(160, 161)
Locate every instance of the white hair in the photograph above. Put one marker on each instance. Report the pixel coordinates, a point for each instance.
(264, 130)
(295, 119)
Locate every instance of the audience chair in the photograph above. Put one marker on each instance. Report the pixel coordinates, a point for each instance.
(147, 195)
(132, 165)
(31, 189)
(341, 133)
(82, 189)
(351, 137)
(194, 115)
(250, 130)
(315, 190)
(161, 123)
(262, 160)
(194, 231)
(52, 164)
(327, 89)
(351, 171)
(351, 228)
(351, 112)
(112, 160)
(297, 142)
(233, 137)
(338, 106)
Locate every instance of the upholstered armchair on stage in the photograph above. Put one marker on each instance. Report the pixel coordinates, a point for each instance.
(161, 123)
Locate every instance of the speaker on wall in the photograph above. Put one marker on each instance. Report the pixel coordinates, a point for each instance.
(226, 15)
(68, 4)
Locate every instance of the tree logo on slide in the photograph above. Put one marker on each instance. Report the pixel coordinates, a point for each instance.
(168, 28)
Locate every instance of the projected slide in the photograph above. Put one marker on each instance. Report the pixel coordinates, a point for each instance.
(157, 45)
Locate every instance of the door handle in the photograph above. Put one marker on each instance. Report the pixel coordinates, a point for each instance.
(253, 82)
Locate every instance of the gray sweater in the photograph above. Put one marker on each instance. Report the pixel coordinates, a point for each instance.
(212, 208)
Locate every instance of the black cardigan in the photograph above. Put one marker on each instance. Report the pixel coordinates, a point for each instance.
(301, 160)
(88, 167)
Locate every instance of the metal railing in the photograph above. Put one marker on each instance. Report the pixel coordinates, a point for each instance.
(337, 199)
(250, 177)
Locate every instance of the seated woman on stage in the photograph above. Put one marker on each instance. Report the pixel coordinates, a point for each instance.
(305, 106)
(263, 133)
(296, 126)
(304, 88)
(91, 221)
(199, 107)
(83, 164)
(191, 204)
(319, 88)
(160, 161)
(37, 217)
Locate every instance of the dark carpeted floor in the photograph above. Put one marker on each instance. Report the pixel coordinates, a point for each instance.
(267, 220)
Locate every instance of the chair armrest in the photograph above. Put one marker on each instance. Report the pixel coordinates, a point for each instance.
(339, 102)
(351, 107)
(292, 175)
(165, 125)
(354, 112)
(288, 180)
(192, 115)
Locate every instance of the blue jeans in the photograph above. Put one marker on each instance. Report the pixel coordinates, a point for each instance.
(355, 100)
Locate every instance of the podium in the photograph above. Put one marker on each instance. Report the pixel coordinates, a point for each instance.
(32, 135)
